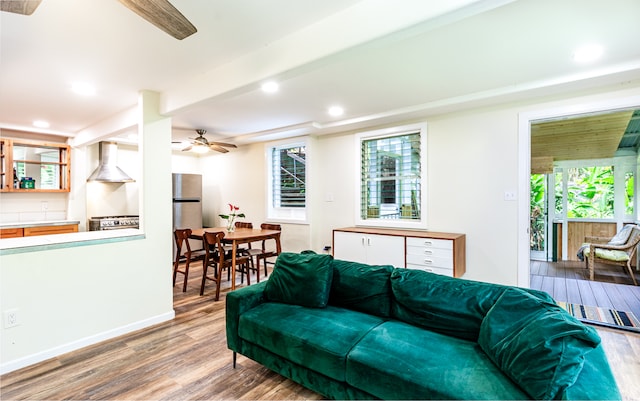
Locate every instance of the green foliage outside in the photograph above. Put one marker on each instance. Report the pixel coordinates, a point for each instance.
(537, 223)
(590, 192)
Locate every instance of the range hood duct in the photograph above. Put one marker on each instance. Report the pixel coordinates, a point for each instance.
(107, 170)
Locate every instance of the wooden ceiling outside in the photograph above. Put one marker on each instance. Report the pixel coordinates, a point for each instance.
(593, 137)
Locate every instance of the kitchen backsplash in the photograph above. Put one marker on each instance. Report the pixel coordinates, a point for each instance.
(29, 207)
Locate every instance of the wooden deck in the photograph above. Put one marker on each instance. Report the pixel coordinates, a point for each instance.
(568, 281)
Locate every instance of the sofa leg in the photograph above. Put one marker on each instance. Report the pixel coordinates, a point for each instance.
(234, 359)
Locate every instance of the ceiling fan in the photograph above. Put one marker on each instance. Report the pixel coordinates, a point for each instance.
(201, 144)
(160, 13)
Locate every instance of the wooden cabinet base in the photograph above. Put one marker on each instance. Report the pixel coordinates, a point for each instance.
(11, 232)
(46, 230)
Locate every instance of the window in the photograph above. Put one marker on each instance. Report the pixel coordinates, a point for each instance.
(590, 192)
(287, 169)
(391, 177)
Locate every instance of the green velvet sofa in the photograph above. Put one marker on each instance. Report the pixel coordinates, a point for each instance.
(353, 331)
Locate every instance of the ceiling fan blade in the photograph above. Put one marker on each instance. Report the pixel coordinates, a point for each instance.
(227, 145)
(25, 7)
(188, 148)
(218, 148)
(164, 15)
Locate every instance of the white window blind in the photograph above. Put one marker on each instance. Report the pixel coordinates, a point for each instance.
(391, 177)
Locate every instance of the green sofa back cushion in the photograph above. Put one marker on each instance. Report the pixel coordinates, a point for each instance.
(361, 287)
(300, 279)
(521, 329)
(444, 304)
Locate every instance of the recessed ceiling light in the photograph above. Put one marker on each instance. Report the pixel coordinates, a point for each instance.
(83, 88)
(336, 111)
(270, 87)
(41, 124)
(588, 53)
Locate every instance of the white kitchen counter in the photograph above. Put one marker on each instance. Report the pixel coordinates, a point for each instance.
(38, 243)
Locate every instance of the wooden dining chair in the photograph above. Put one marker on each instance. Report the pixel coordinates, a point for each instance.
(264, 252)
(218, 259)
(184, 254)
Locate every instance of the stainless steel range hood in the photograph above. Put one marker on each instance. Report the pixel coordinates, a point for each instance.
(107, 170)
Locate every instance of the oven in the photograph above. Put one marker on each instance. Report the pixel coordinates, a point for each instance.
(113, 222)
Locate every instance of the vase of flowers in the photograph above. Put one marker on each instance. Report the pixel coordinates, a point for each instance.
(231, 217)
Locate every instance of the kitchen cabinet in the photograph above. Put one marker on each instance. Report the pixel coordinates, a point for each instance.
(48, 164)
(369, 248)
(33, 230)
(436, 252)
(13, 232)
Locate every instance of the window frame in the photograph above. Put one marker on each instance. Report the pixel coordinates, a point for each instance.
(381, 134)
(289, 215)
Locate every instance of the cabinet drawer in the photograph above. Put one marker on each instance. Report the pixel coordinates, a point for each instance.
(437, 270)
(430, 261)
(11, 232)
(430, 242)
(46, 230)
(427, 251)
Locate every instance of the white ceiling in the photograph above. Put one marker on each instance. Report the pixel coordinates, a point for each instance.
(382, 60)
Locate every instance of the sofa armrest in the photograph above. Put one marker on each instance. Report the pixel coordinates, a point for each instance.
(238, 302)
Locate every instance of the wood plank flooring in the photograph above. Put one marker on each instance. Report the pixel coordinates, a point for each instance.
(568, 281)
(187, 359)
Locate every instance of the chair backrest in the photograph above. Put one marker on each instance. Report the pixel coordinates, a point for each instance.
(213, 246)
(634, 239)
(242, 224)
(268, 226)
(181, 237)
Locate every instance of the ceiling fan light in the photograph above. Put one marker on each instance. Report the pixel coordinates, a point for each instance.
(200, 149)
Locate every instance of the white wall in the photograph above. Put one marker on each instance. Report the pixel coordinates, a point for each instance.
(473, 158)
(72, 297)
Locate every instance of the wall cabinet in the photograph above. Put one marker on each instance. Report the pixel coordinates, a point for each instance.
(48, 164)
(436, 252)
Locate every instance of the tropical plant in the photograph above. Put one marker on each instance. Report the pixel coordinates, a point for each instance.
(537, 223)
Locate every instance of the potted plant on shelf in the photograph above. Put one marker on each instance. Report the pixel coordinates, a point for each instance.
(231, 217)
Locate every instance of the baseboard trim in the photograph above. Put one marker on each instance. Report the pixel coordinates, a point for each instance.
(20, 363)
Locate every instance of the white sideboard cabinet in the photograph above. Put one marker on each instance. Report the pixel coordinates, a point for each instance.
(436, 252)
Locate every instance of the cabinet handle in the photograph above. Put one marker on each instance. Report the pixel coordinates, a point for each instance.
(362, 241)
(428, 261)
(369, 241)
(428, 243)
(428, 251)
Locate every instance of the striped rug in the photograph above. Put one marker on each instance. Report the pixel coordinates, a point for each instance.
(603, 316)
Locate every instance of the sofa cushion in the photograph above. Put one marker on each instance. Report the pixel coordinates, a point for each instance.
(398, 361)
(448, 305)
(521, 329)
(361, 287)
(301, 279)
(318, 339)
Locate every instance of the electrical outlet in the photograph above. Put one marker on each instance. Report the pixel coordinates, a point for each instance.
(11, 318)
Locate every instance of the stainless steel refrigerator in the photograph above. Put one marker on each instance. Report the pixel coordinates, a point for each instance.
(187, 203)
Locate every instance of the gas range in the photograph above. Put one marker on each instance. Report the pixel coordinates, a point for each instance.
(113, 222)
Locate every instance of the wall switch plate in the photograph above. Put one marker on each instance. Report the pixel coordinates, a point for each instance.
(509, 195)
(45, 206)
(10, 318)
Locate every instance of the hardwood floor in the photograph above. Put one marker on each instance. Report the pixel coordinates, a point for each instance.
(187, 359)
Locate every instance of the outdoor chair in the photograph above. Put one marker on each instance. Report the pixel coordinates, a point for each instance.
(619, 250)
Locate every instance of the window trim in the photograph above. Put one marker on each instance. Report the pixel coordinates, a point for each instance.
(383, 133)
(288, 215)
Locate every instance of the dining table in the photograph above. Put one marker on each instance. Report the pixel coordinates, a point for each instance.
(237, 237)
